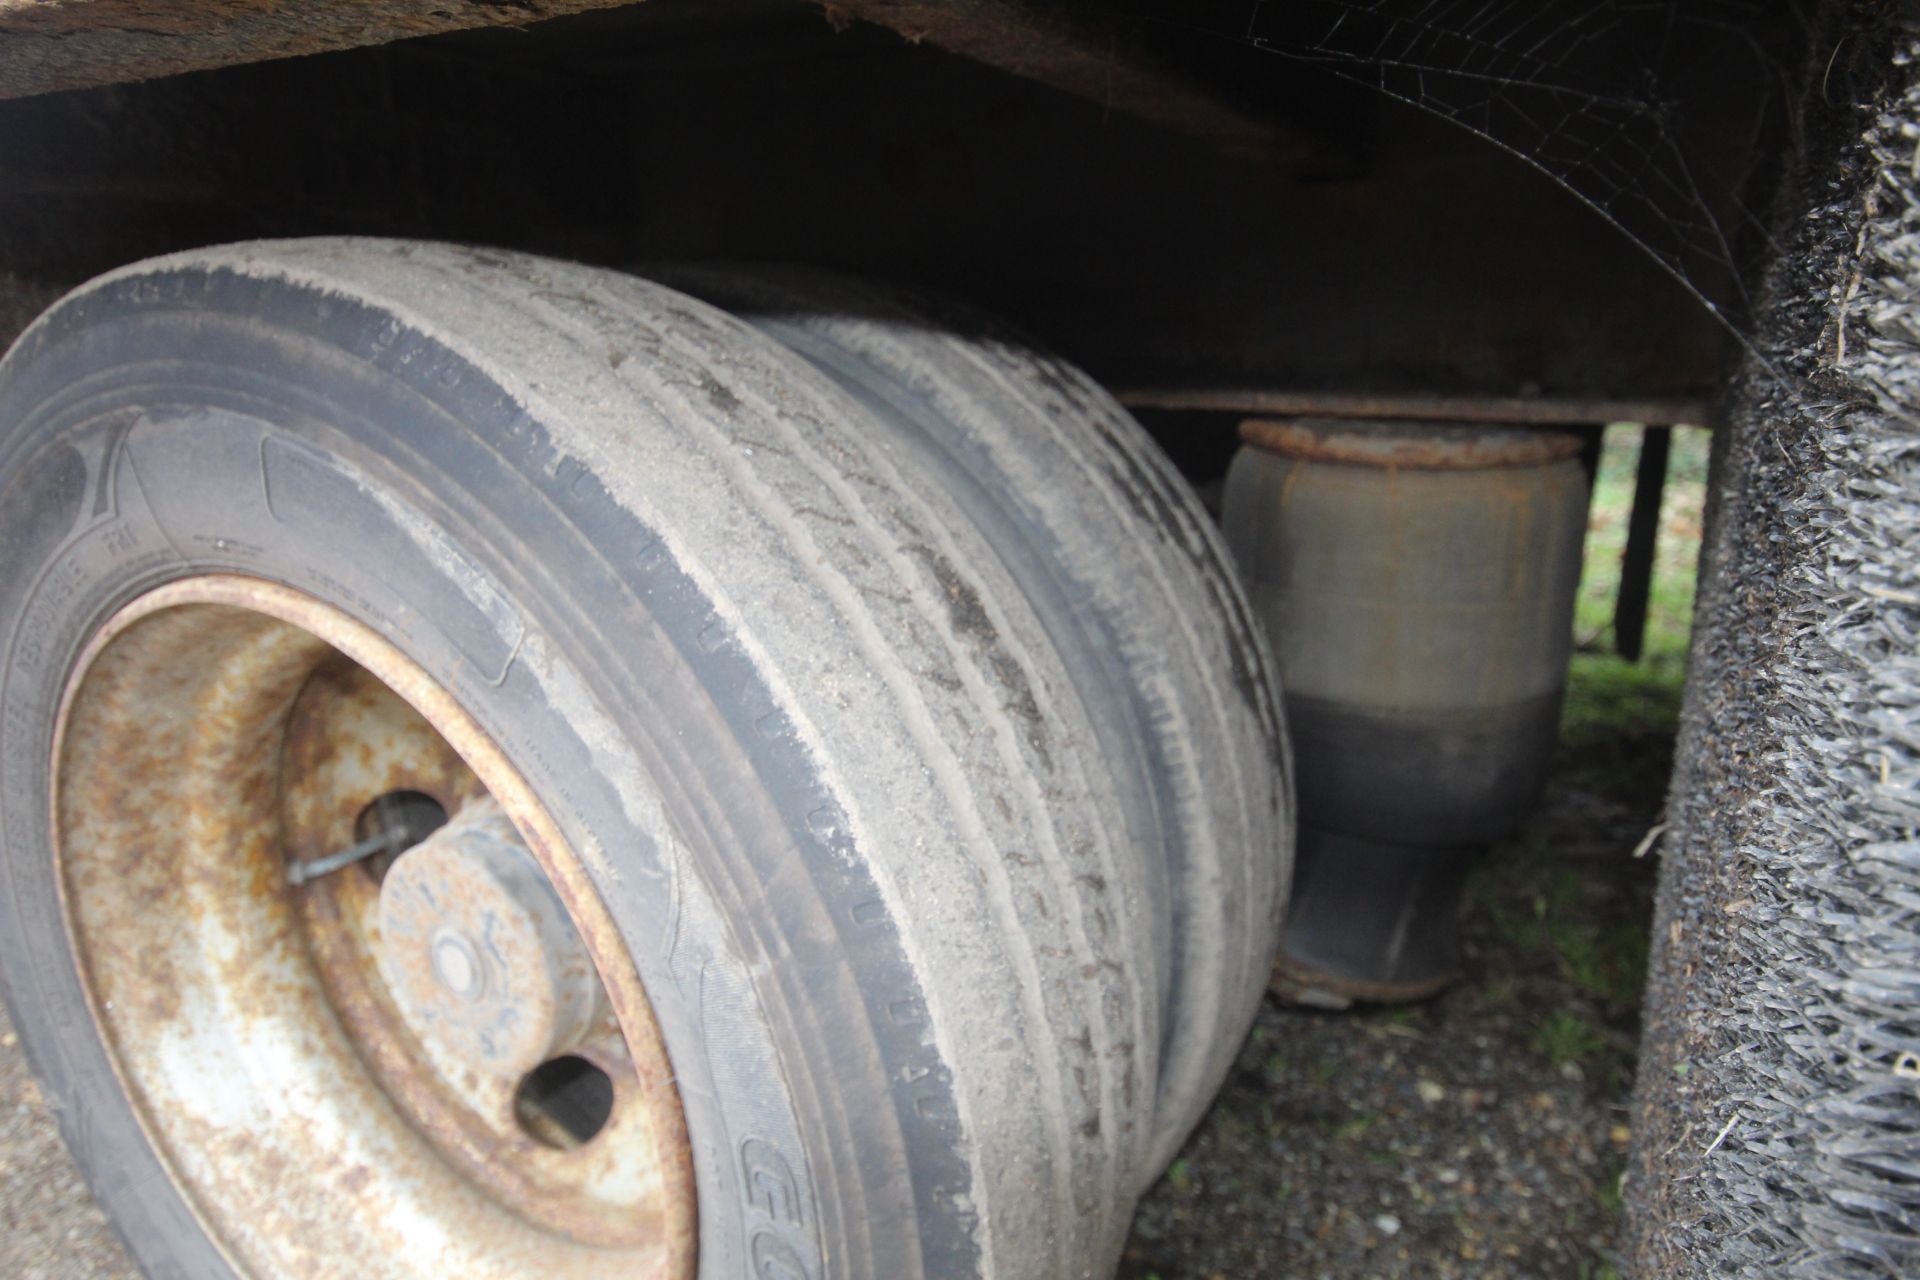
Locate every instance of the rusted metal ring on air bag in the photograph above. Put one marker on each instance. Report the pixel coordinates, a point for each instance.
(1433, 446)
(220, 737)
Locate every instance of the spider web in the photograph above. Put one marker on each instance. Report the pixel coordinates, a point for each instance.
(1607, 99)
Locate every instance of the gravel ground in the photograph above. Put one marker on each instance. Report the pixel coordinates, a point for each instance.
(49, 1227)
(1482, 1134)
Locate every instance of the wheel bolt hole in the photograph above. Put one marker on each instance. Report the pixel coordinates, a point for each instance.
(564, 1103)
(413, 814)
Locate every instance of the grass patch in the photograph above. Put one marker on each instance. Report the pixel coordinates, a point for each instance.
(1670, 609)
(1608, 962)
(1545, 914)
(1616, 731)
(1355, 1128)
(1617, 728)
(1567, 1037)
(1611, 1194)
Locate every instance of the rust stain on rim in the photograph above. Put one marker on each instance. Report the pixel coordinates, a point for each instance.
(213, 731)
(1435, 446)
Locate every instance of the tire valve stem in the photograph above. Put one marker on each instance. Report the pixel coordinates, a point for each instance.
(299, 873)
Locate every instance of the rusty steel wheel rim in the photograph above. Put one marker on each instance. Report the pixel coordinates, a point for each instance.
(481, 1090)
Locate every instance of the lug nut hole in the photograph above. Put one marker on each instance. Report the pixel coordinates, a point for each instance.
(413, 814)
(564, 1103)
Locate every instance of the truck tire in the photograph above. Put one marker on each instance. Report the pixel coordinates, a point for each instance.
(790, 744)
(1133, 585)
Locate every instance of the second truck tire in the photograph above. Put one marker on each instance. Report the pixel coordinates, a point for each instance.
(1131, 580)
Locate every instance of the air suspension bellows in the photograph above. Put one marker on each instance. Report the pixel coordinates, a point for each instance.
(1417, 584)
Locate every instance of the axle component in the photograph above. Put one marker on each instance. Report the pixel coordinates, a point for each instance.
(1417, 583)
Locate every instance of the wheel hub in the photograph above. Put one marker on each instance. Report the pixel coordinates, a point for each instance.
(363, 1044)
(479, 951)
